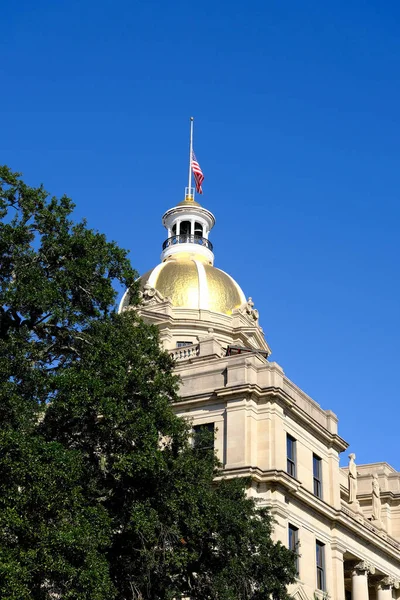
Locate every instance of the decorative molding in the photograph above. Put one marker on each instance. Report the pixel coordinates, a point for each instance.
(354, 515)
(339, 546)
(368, 525)
(320, 595)
(389, 582)
(364, 565)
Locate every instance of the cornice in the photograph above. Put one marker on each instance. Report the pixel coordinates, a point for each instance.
(162, 318)
(384, 495)
(189, 209)
(307, 421)
(259, 476)
(342, 517)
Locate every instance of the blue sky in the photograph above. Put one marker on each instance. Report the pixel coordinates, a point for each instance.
(297, 131)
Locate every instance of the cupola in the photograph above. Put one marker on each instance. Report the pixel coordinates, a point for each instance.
(188, 225)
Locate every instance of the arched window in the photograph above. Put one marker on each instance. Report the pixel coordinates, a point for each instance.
(198, 229)
(185, 228)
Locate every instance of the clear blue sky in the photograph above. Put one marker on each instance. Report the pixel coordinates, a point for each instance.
(298, 135)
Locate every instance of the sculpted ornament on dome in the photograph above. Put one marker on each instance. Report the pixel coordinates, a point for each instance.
(150, 295)
(247, 308)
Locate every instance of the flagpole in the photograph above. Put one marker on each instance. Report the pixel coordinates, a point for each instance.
(190, 158)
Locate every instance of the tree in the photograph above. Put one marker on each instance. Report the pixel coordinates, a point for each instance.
(102, 493)
(56, 278)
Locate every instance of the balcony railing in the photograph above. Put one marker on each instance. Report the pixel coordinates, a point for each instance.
(185, 352)
(184, 238)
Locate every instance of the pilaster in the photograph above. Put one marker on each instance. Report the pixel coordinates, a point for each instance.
(337, 552)
(235, 433)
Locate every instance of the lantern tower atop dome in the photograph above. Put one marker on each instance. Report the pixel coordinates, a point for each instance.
(189, 224)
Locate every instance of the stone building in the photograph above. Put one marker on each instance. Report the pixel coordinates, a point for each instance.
(345, 522)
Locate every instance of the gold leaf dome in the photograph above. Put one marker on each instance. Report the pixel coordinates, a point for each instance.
(191, 283)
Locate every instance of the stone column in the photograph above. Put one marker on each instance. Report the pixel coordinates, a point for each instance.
(384, 588)
(359, 581)
(383, 592)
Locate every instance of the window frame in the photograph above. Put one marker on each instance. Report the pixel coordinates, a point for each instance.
(293, 543)
(291, 466)
(320, 565)
(317, 476)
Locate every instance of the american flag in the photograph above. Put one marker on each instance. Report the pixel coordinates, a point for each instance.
(198, 173)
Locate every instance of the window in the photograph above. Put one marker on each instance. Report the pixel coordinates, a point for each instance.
(294, 543)
(317, 471)
(320, 556)
(185, 228)
(291, 455)
(198, 229)
(182, 344)
(203, 436)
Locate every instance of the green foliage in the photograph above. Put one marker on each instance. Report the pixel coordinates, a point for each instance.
(102, 494)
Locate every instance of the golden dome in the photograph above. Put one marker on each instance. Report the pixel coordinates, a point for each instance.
(191, 283)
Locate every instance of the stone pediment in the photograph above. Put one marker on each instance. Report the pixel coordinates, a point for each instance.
(299, 594)
(246, 326)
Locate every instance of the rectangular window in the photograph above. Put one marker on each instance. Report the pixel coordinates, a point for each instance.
(203, 436)
(183, 344)
(294, 543)
(320, 559)
(291, 455)
(317, 472)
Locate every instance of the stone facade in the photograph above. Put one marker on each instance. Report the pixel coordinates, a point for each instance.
(344, 522)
